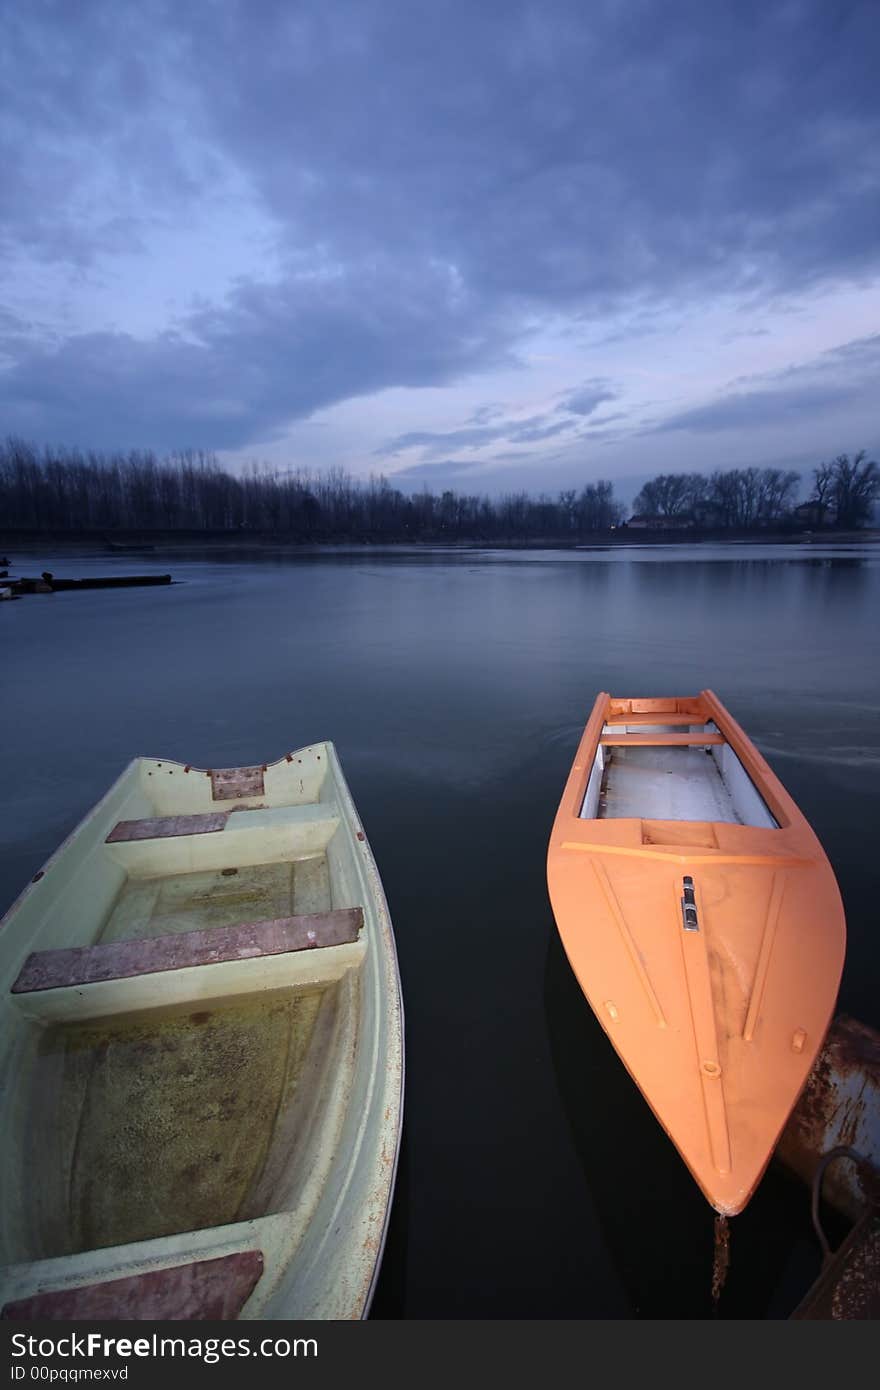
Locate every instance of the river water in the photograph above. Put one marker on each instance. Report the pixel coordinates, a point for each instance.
(534, 1182)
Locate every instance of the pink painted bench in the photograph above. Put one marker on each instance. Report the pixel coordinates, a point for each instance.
(214, 1290)
(118, 960)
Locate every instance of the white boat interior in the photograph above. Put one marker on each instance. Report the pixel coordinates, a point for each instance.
(666, 782)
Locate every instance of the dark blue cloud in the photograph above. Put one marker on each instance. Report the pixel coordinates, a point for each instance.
(230, 376)
(594, 425)
(429, 473)
(588, 397)
(476, 437)
(438, 179)
(536, 433)
(846, 376)
(561, 153)
(533, 430)
(486, 414)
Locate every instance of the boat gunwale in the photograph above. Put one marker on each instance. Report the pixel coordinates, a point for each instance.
(352, 821)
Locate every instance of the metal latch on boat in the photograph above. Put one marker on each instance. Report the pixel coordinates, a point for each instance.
(689, 918)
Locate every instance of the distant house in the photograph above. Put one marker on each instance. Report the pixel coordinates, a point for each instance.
(648, 523)
(709, 515)
(655, 522)
(811, 514)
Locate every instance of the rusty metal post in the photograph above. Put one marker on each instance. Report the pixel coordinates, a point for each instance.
(839, 1108)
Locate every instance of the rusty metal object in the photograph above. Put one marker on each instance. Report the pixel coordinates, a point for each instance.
(839, 1108)
(849, 1285)
(120, 960)
(233, 783)
(204, 1290)
(841, 1154)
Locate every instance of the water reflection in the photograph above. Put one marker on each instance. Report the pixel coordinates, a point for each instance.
(535, 1181)
(835, 562)
(655, 1222)
(833, 577)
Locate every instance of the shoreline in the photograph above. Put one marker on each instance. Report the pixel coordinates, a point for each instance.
(137, 545)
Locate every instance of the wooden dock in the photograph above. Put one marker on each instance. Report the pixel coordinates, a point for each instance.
(47, 583)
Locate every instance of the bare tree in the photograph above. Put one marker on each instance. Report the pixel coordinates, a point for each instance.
(823, 487)
(62, 489)
(670, 495)
(850, 487)
(776, 493)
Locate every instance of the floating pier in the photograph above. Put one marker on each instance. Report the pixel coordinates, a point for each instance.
(48, 584)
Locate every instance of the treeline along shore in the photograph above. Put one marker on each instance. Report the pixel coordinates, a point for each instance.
(63, 491)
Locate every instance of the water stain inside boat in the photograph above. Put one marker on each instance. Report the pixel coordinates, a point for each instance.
(218, 898)
(169, 1121)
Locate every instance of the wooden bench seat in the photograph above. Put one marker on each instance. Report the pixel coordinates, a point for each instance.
(160, 827)
(212, 1290)
(264, 819)
(659, 740)
(118, 960)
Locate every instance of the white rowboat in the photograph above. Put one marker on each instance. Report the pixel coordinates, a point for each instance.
(201, 1053)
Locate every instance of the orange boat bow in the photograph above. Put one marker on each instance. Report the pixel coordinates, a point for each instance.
(710, 951)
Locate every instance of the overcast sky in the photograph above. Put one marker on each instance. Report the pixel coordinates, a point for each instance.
(482, 244)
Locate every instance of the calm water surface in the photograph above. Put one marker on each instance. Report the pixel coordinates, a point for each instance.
(534, 1182)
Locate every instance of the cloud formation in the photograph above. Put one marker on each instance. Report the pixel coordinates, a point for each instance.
(535, 429)
(235, 374)
(308, 204)
(588, 397)
(846, 375)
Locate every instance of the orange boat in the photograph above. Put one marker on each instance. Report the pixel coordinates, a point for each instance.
(704, 924)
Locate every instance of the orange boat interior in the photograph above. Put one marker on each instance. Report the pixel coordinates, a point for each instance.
(670, 764)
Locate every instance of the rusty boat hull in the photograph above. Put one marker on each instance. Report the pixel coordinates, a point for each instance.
(704, 924)
(201, 1054)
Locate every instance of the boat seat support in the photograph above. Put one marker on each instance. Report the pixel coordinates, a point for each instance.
(660, 740)
(659, 717)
